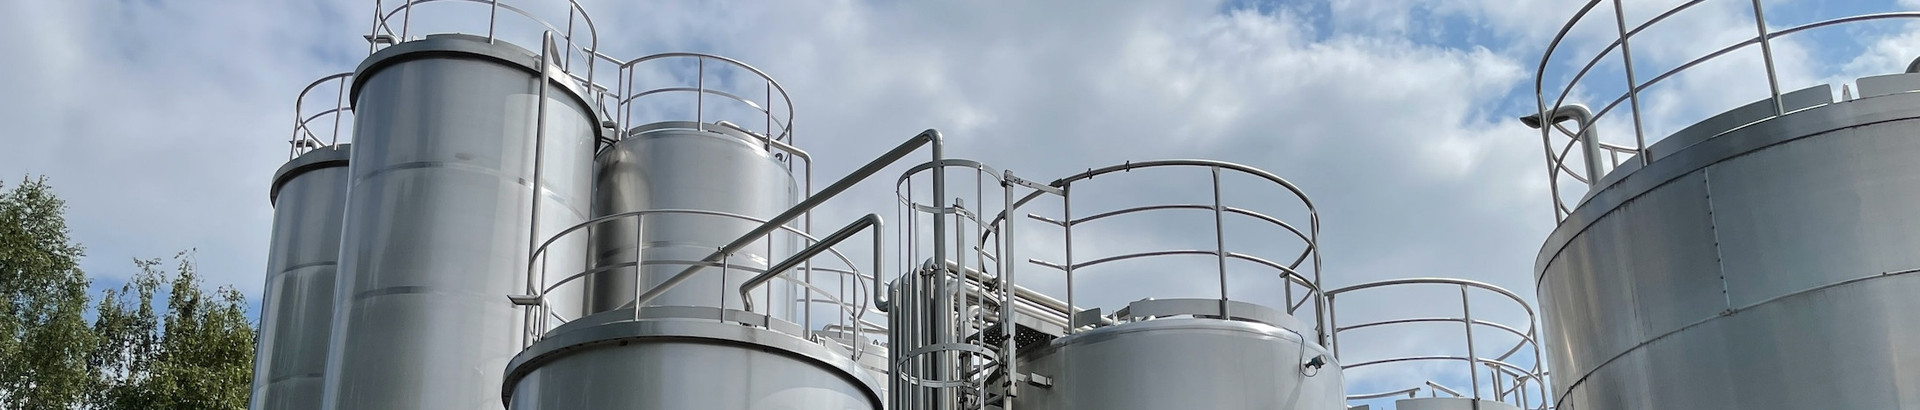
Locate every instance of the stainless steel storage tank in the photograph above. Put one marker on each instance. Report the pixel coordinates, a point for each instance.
(309, 196)
(1183, 363)
(1762, 268)
(1758, 259)
(685, 358)
(673, 193)
(1216, 352)
(1450, 403)
(679, 165)
(735, 177)
(441, 214)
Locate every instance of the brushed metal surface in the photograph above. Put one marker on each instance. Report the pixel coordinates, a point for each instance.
(1449, 403)
(1764, 268)
(609, 361)
(1181, 363)
(309, 197)
(438, 220)
(675, 168)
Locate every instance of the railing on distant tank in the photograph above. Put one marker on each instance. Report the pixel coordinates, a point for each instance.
(332, 118)
(541, 315)
(1554, 109)
(1303, 271)
(576, 58)
(775, 126)
(1522, 386)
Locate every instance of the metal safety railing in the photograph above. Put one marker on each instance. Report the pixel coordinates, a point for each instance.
(1522, 385)
(539, 312)
(773, 114)
(1598, 156)
(322, 124)
(1300, 275)
(571, 289)
(577, 42)
(957, 311)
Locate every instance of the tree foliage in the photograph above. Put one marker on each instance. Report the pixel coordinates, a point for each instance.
(192, 350)
(44, 338)
(198, 356)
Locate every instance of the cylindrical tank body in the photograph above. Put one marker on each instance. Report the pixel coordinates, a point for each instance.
(440, 217)
(676, 166)
(1181, 363)
(612, 361)
(1450, 403)
(1761, 268)
(309, 196)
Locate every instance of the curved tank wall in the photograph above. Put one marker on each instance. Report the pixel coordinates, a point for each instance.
(667, 166)
(439, 215)
(1450, 403)
(1181, 363)
(612, 361)
(1763, 268)
(309, 197)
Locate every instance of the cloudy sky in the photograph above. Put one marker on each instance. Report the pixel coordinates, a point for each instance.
(160, 122)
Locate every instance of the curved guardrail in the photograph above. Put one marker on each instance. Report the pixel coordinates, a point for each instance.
(1523, 386)
(775, 111)
(1597, 156)
(321, 125)
(543, 316)
(1302, 271)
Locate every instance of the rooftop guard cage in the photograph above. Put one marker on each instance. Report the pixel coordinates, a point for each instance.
(1597, 157)
(1521, 383)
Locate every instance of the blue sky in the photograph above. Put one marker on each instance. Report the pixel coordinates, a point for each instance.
(160, 122)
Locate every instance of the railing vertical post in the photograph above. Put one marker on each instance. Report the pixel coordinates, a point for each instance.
(1766, 53)
(1495, 375)
(493, 17)
(406, 21)
(1220, 244)
(1633, 96)
(1010, 348)
(769, 111)
(339, 101)
(1473, 359)
(626, 102)
(568, 59)
(1333, 335)
(1066, 222)
(726, 265)
(379, 20)
(544, 309)
(700, 94)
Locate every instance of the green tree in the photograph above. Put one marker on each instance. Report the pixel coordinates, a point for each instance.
(44, 338)
(199, 354)
(194, 351)
(126, 330)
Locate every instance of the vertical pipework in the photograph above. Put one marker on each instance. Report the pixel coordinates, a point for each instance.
(1589, 138)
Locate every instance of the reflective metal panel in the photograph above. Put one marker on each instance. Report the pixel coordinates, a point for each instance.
(1818, 211)
(685, 168)
(1449, 403)
(1766, 268)
(309, 196)
(439, 217)
(1181, 363)
(609, 361)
